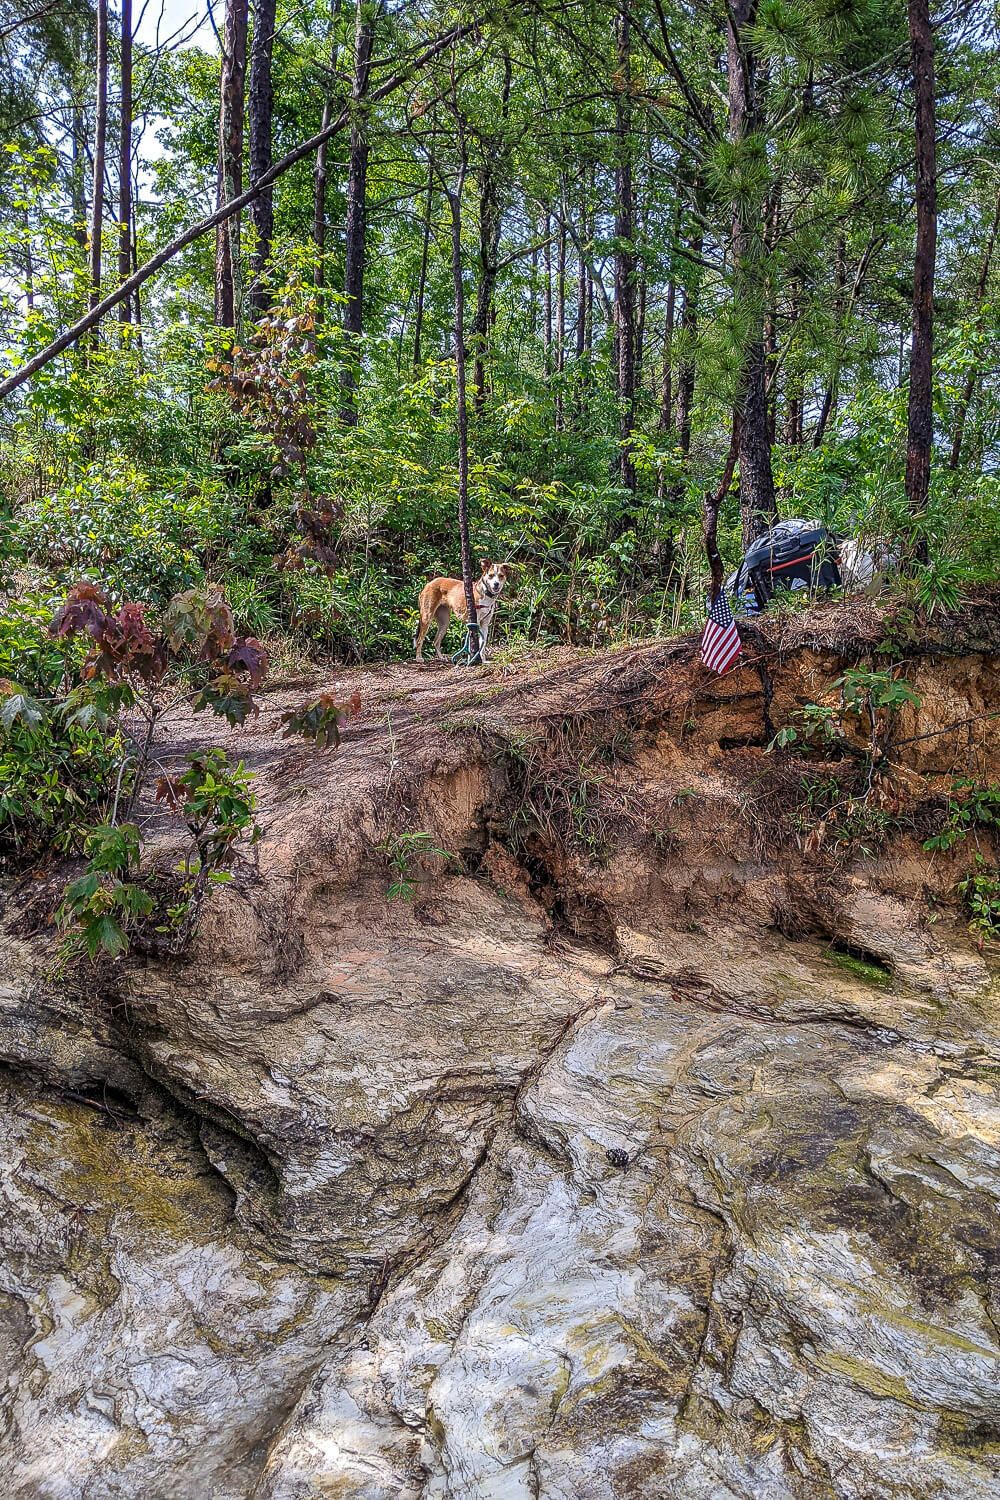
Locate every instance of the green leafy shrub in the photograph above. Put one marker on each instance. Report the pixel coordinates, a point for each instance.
(145, 540)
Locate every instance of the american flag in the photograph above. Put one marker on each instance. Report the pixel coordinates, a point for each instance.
(720, 643)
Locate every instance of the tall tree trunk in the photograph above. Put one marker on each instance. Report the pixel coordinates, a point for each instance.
(425, 248)
(581, 283)
(229, 177)
(828, 407)
(462, 407)
(920, 419)
(972, 376)
(100, 145)
(792, 434)
(625, 259)
(319, 208)
(489, 248)
(547, 295)
(757, 499)
(686, 363)
(667, 368)
(320, 169)
(560, 329)
(260, 107)
(125, 163)
(357, 210)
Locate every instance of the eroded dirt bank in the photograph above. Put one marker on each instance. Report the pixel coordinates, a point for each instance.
(642, 1153)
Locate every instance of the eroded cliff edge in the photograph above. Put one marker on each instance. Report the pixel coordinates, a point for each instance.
(642, 1153)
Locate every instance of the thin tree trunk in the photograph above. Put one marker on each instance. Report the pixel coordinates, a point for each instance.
(357, 211)
(78, 187)
(828, 407)
(319, 209)
(713, 505)
(125, 162)
(973, 374)
(100, 144)
(581, 284)
(489, 247)
(425, 247)
(560, 330)
(229, 184)
(920, 419)
(547, 294)
(320, 169)
(260, 107)
(462, 412)
(625, 260)
(757, 498)
(667, 367)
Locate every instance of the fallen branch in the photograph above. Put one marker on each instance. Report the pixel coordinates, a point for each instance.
(307, 148)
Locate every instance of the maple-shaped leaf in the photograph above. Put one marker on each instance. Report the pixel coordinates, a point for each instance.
(320, 720)
(84, 613)
(228, 697)
(171, 789)
(249, 656)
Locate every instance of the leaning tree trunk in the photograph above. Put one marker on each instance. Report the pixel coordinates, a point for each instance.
(920, 418)
(100, 145)
(625, 258)
(260, 107)
(229, 176)
(125, 163)
(757, 497)
(357, 213)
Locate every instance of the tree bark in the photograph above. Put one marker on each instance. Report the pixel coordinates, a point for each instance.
(757, 498)
(920, 418)
(667, 368)
(560, 328)
(229, 176)
(462, 410)
(713, 505)
(125, 162)
(357, 210)
(425, 247)
(320, 169)
(625, 259)
(490, 221)
(260, 107)
(547, 295)
(100, 146)
(319, 208)
(969, 385)
(581, 283)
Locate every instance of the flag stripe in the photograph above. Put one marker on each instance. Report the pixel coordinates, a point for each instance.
(720, 642)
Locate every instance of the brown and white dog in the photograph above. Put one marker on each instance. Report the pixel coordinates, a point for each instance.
(444, 597)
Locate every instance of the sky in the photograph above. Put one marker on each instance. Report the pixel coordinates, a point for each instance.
(185, 21)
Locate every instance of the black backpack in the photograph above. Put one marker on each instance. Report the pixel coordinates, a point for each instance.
(800, 554)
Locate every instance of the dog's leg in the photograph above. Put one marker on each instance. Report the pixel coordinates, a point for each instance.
(422, 630)
(443, 619)
(485, 619)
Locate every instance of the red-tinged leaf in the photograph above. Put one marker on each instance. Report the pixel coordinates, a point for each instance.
(80, 617)
(171, 789)
(249, 656)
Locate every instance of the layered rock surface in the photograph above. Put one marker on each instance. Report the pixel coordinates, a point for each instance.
(591, 1171)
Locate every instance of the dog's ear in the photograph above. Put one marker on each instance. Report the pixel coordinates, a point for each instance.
(484, 563)
(505, 569)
